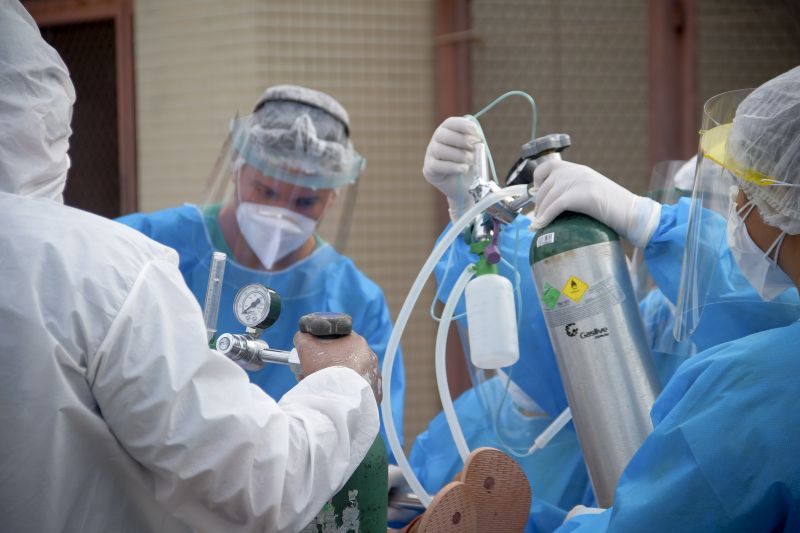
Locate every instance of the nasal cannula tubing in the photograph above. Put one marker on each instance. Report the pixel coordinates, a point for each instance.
(419, 283)
(441, 361)
(402, 319)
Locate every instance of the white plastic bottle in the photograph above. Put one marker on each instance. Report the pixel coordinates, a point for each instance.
(492, 322)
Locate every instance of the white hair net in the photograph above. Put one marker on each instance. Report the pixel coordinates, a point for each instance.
(36, 97)
(300, 136)
(764, 141)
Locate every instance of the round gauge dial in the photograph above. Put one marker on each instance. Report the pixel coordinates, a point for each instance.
(252, 306)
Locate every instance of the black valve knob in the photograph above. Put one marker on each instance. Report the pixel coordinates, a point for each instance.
(326, 325)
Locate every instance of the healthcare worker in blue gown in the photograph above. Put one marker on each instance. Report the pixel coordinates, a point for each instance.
(277, 179)
(434, 456)
(723, 452)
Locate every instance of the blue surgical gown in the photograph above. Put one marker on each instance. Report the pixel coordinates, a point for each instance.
(557, 474)
(324, 281)
(663, 255)
(723, 455)
(723, 452)
(737, 312)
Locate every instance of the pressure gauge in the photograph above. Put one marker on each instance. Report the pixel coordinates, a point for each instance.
(257, 306)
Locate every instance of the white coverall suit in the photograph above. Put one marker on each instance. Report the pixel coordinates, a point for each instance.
(114, 414)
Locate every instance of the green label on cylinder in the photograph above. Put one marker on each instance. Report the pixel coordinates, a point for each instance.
(550, 295)
(360, 507)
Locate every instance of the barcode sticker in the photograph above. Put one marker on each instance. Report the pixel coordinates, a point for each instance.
(547, 238)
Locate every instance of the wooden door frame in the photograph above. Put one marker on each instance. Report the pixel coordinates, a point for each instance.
(453, 37)
(61, 12)
(674, 119)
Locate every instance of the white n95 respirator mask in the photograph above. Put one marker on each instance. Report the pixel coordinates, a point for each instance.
(759, 267)
(273, 232)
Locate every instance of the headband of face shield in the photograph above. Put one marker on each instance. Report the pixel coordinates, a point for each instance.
(297, 143)
(749, 141)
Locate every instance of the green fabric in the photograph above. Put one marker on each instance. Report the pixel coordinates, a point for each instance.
(211, 221)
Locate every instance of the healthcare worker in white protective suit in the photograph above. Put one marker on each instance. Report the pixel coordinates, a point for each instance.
(115, 415)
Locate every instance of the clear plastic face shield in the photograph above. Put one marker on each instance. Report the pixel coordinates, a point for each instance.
(277, 203)
(725, 278)
(668, 184)
(283, 185)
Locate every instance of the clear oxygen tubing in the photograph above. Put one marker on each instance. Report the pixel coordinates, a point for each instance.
(544, 437)
(419, 283)
(551, 431)
(474, 118)
(439, 291)
(402, 319)
(453, 423)
(441, 361)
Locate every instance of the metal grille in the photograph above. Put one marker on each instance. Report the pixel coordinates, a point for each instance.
(743, 43)
(88, 50)
(585, 64)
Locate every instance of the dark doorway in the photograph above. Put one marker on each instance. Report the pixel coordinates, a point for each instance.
(94, 40)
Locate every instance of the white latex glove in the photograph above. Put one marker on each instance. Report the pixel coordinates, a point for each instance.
(582, 509)
(448, 162)
(398, 489)
(570, 187)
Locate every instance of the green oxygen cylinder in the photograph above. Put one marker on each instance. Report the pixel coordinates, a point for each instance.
(360, 507)
(593, 320)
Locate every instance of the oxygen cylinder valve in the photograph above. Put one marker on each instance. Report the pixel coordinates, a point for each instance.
(533, 154)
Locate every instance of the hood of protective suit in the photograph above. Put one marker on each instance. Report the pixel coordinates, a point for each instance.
(36, 97)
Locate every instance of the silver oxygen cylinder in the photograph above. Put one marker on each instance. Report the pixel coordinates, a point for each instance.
(597, 334)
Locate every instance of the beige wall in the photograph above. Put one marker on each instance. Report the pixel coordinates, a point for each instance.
(584, 61)
(198, 62)
(585, 64)
(743, 43)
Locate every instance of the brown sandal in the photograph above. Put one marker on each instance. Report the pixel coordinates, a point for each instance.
(499, 490)
(491, 495)
(451, 511)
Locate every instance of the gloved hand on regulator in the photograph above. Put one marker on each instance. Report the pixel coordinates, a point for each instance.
(566, 186)
(448, 162)
(350, 351)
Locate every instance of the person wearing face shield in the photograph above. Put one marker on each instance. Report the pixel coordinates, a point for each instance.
(284, 171)
(721, 456)
(115, 414)
(735, 313)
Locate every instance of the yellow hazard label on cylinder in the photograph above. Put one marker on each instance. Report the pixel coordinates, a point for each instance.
(574, 289)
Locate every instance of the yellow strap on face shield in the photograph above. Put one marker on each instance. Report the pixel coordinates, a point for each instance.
(713, 144)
